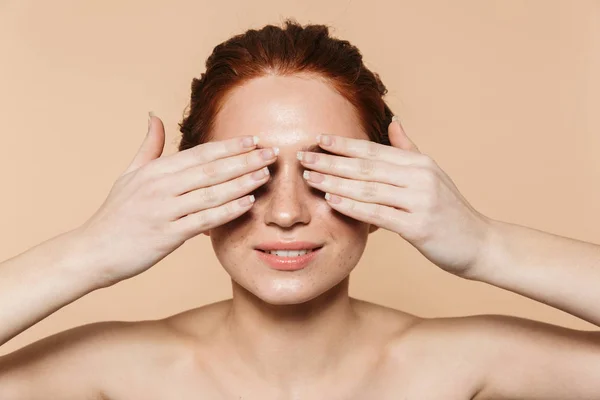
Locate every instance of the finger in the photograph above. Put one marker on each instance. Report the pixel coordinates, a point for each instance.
(376, 214)
(367, 149)
(357, 168)
(152, 146)
(221, 170)
(365, 191)
(202, 221)
(398, 138)
(213, 196)
(205, 153)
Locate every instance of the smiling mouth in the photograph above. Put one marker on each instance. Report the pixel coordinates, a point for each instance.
(288, 260)
(289, 253)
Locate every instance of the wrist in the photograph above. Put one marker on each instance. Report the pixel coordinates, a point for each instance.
(81, 262)
(490, 253)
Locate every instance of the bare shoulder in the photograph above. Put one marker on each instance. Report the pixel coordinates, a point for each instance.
(457, 353)
(64, 362)
(490, 335)
(109, 337)
(490, 356)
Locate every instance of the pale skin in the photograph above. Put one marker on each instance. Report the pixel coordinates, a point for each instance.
(298, 335)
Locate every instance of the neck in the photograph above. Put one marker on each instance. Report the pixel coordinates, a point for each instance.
(291, 343)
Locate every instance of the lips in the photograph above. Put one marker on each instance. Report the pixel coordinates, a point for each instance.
(291, 261)
(298, 245)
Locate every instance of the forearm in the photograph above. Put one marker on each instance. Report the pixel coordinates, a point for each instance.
(40, 281)
(559, 271)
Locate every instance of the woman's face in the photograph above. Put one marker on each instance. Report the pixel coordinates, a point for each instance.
(289, 113)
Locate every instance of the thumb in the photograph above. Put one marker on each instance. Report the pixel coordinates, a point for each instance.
(152, 146)
(398, 137)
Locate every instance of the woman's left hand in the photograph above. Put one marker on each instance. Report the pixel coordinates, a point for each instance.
(402, 190)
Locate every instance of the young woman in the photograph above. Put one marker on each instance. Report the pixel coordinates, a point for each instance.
(280, 118)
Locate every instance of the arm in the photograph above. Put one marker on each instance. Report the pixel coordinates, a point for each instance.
(152, 209)
(67, 365)
(399, 189)
(520, 359)
(143, 219)
(41, 280)
(94, 361)
(404, 191)
(555, 270)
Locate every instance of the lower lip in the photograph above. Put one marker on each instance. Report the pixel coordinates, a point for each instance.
(288, 263)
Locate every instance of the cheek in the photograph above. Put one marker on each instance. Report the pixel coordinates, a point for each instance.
(344, 229)
(232, 234)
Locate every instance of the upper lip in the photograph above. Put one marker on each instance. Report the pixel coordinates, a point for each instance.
(268, 246)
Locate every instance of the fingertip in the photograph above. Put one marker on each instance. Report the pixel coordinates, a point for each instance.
(396, 121)
(247, 201)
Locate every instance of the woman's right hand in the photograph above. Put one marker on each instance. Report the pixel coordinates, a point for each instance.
(159, 203)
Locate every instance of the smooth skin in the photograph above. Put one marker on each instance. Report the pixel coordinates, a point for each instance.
(298, 335)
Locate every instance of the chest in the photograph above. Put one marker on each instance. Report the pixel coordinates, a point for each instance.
(381, 385)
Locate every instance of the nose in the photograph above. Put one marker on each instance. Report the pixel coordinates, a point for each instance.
(287, 199)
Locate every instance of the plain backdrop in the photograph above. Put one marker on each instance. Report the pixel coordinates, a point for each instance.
(504, 95)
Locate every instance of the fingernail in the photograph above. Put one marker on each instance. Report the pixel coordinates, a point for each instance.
(260, 174)
(324, 140)
(246, 201)
(332, 198)
(150, 115)
(309, 158)
(267, 154)
(249, 141)
(396, 119)
(276, 150)
(313, 176)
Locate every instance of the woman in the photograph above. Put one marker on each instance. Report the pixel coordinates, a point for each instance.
(280, 118)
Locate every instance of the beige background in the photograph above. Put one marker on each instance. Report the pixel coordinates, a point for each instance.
(503, 94)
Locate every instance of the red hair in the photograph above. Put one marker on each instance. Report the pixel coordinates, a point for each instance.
(290, 50)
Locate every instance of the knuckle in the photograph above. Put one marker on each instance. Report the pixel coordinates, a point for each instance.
(247, 160)
(201, 222)
(146, 173)
(209, 170)
(331, 163)
(208, 194)
(151, 188)
(427, 202)
(428, 162)
(199, 152)
(369, 190)
(231, 146)
(427, 177)
(351, 205)
(376, 212)
(373, 149)
(158, 185)
(366, 167)
(335, 183)
(229, 209)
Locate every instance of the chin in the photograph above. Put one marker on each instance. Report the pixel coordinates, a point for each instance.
(290, 290)
(286, 290)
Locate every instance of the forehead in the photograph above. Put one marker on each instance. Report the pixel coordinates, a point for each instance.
(287, 107)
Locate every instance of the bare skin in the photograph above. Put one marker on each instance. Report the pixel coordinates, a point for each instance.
(298, 335)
